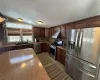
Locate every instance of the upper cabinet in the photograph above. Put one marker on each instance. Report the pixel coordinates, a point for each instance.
(42, 32)
(47, 32)
(63, 31)
(38, 32)
(52, 30)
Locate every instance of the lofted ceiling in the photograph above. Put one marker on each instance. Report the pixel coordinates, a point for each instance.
(51, 12)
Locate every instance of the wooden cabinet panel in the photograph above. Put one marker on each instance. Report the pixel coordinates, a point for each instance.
(45, 47)
(63, 56)
(47, 32)
(36, 32)
(93, 24)
(60, 55)
(48, 48)
(69, 26)
(63, 31)
(42, 33)
(52, 31)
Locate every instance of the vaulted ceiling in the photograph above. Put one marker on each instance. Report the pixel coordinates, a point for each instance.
(51, 12)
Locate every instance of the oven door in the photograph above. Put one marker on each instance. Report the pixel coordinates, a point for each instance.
(53, 50)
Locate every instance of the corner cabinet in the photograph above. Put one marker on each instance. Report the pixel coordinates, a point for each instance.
(60, 55)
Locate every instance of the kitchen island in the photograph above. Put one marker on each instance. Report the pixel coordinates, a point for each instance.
(21, 64)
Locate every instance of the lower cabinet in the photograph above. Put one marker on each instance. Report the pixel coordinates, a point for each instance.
(60, 55)
(45, 47)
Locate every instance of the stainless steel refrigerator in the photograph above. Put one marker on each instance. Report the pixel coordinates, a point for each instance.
(83, 53)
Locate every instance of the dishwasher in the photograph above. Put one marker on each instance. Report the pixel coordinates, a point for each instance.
(37, 48)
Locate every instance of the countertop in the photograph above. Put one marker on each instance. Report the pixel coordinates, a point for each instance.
(21, 64)
(62, 47)
(9, 45)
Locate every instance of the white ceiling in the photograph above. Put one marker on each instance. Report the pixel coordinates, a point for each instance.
(51, 12)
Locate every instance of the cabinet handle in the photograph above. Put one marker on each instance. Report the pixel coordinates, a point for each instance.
(76, 38)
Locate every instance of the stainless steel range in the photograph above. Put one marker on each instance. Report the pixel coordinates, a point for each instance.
(54, 45)
(83, 54)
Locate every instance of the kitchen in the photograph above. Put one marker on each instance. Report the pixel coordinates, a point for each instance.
(66, 51)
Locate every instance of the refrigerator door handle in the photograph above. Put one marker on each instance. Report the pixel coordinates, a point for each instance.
(76, 38)
(80, 40)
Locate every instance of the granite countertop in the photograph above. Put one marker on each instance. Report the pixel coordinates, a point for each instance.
(21, 64)
(11, 45)
(62, 47)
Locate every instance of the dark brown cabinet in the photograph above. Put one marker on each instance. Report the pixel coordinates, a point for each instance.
(42, 33)
(52, 31)
(61, 55)
(38, 32)
(63, 31)
(45, 47)
(47, 32)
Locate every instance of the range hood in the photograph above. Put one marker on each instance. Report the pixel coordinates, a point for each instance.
(57, 33)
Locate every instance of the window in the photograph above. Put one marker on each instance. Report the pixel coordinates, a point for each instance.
(14, 39)
(19, 32)
(27, 38)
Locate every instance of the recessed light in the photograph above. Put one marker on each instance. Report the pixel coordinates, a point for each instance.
(19, 19)
(40, 22)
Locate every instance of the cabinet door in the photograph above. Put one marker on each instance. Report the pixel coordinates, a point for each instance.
(62, 56)
(58, 54)
(43, 47)
(94, 23)
(69, 26)
(48, 47)
(79, 25)
(47, 32)
(52, 31)
(36, 32)
(63, 31)
(42, 34)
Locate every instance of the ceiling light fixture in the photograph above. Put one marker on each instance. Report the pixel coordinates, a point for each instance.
(2, 18)
(40, 22)
(19, 19)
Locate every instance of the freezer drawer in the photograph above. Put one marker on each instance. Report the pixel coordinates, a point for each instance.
(83, 75)
(86, 66)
